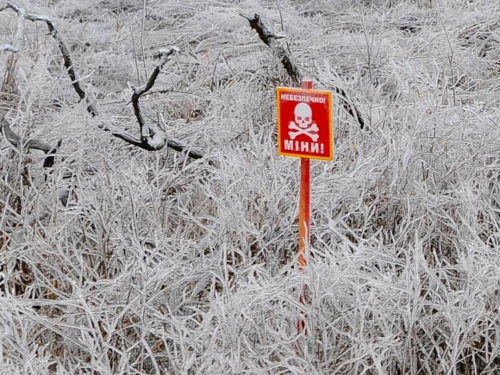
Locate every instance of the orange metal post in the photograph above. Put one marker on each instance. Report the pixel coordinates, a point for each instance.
(305, 211)
(304, 219)
(305, 200)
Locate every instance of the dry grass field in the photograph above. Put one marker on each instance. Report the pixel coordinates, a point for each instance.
(119, 260)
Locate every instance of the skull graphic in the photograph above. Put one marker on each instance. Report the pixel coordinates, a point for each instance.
(303, 123)
(303, 115)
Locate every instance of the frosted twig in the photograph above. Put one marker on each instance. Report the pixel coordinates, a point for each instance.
(150, 138)
(35, 144)
(18, 38)
(269, 38)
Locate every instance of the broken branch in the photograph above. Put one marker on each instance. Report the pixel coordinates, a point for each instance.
(149, 137)
(270, 38)
(174, 145)
(35, 144)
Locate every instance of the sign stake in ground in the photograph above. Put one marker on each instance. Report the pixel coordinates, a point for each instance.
(305, 130)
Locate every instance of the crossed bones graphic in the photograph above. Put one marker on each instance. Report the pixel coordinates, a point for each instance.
(310, 131)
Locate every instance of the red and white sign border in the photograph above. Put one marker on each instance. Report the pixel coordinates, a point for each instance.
(279, 90)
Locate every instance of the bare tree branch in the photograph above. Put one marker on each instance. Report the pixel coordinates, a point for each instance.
(150, 139)
(50, 159)
(18, 38)
(349, 107)
(35, 144)
(269, 38)
(68, 63)
(174, 145)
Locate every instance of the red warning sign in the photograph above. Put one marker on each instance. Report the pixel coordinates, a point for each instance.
(305, 123)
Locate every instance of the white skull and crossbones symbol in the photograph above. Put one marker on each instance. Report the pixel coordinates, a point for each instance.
(303, 123)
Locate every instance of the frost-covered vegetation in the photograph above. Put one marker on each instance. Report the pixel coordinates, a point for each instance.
(119, 260)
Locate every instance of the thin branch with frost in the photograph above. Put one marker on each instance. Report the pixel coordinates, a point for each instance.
(68, 63)
(270, 38)
(35, 144)
(150, 139)
(18, 38)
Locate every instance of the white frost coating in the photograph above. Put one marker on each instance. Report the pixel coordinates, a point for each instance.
(158, 140)
(171, 50)
(18, 39)
(22, 16)
(8, 47)
(34, 17)
(137, 90)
